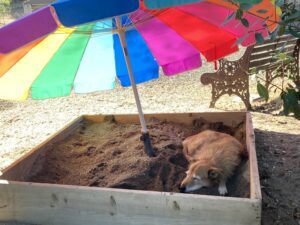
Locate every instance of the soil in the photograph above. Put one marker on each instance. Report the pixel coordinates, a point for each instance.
(278, 154)
(280, 175)
(111, 155)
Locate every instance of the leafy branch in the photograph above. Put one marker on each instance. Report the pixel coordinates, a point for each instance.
(289, 23)
(4, 6)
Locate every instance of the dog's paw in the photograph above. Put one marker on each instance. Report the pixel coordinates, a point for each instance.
(222, 190)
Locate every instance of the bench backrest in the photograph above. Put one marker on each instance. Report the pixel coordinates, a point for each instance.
(262, 55)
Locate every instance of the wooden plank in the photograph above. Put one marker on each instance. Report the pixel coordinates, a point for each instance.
(229, 118)
(286, 38)
(19, 169)
(262, 63)
(289, 51)
(94, 118)
(279, 39)
(265, 66)
(255, 191)
(265, 60)
(73, 205)
(269, 47)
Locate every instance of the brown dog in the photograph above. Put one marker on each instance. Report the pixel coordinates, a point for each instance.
(213, 157)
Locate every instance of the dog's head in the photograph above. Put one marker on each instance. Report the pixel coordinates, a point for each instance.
(199, 175)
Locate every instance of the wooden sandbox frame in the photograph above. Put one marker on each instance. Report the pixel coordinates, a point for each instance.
(54, 204)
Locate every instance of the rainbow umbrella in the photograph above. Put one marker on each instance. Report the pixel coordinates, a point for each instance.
(85, 44)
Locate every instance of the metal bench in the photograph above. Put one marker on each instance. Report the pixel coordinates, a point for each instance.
(232, 78)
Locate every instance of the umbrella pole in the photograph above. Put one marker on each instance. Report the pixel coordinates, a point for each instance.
(145, 134)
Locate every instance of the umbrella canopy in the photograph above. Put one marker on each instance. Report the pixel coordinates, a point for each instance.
(89, 57)
(127, 39)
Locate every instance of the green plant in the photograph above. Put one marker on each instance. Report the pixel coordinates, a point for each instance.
(289, 87)
(4, 6)
(289, 24)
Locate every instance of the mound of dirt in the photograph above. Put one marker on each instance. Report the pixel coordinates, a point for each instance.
(110, 154)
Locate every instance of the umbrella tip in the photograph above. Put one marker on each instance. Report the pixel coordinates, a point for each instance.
(147, 144)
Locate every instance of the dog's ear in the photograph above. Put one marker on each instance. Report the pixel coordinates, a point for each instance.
(214, 173)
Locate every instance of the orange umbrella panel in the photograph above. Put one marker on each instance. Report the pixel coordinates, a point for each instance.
(266, 9)
(9, 60)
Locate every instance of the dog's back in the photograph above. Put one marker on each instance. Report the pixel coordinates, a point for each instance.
(193, 144)
(220, 149)
(213, 157)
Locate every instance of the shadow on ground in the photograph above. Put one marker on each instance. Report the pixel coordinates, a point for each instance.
(279, 167)
(4, 105)
(272, 107)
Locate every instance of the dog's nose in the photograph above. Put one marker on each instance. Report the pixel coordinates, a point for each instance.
(182, 189)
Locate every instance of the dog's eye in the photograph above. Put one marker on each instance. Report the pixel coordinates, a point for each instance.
(196, 178)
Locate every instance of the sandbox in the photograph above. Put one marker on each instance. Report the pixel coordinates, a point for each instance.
(94, 171)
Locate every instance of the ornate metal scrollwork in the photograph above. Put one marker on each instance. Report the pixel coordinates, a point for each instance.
(232, 78)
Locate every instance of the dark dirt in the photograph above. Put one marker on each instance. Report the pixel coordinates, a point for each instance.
(111, 155)
(279, 168)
